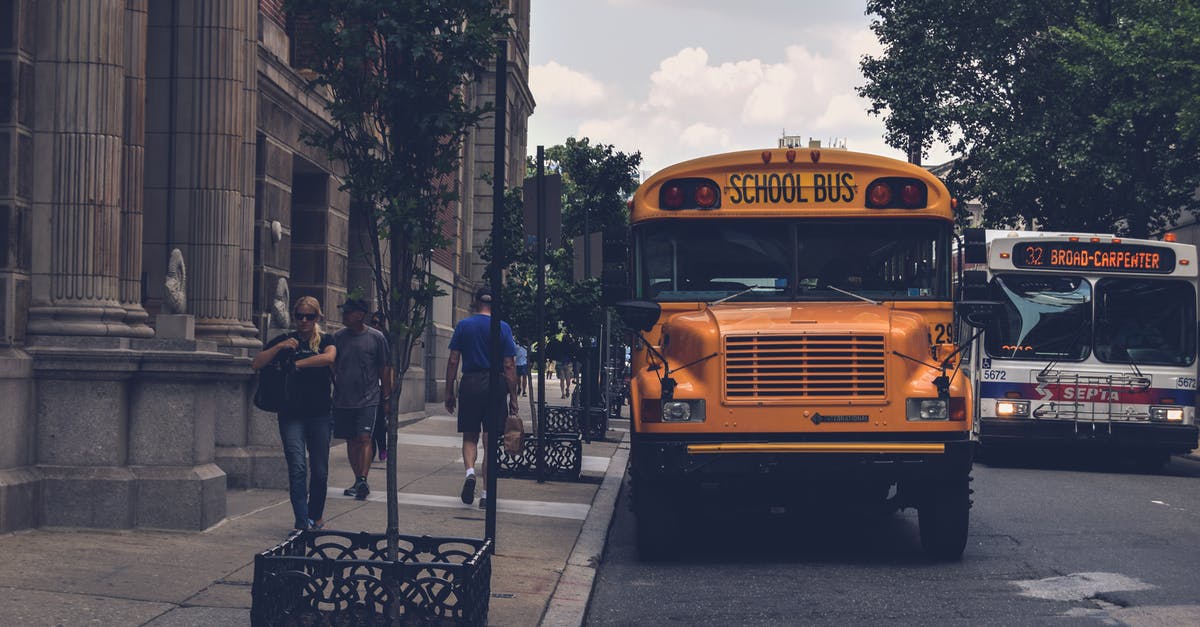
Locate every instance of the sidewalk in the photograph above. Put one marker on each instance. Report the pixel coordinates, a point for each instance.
(549, 536)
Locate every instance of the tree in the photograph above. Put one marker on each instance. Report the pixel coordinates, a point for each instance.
(598, 180)
(395, 72)
(1070, 115)
(597, 177)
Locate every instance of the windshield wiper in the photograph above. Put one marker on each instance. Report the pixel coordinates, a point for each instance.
(731, 296)
(853, 295)
(1074, 338)
(1129, 357)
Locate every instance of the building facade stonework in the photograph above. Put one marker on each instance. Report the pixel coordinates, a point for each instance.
(132, 128)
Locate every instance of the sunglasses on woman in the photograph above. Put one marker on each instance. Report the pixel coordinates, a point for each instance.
(306, 317)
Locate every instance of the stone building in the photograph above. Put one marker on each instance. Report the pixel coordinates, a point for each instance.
(132, 128)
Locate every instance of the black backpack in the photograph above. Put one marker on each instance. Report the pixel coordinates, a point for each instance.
(272, 391)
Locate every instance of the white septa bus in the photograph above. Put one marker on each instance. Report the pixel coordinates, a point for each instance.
(1093, 342)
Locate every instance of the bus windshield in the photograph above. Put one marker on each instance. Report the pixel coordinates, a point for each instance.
(1043, 317)
(786, 260)
(1145, 321)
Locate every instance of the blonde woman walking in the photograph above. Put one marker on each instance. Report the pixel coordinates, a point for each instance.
(305, 421)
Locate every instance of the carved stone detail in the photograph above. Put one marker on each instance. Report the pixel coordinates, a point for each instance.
(175, 301)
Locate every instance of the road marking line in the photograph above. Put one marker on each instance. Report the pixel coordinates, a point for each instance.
(547, 509)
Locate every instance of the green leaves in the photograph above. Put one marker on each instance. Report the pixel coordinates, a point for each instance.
(1070, 115)
(395, 72)
(597, 178)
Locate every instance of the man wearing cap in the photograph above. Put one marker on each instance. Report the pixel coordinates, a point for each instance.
(362, 382)
(471, 344)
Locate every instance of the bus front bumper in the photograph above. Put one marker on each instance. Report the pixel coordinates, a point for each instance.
(1158, 436)
(767, 456)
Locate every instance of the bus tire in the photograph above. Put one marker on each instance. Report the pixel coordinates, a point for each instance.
(944, 517)
(655, 517)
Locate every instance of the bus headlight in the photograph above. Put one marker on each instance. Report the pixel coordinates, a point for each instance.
(1012, 409)
(683, 411)
(927, 409)
(1166, 414)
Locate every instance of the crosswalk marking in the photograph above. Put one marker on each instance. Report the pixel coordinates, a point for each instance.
(571, 511)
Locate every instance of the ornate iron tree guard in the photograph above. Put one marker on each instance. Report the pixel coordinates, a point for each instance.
(341, 578)
(570, 420)
(564, 457)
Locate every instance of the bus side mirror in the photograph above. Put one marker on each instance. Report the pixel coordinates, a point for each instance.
(974, 246)
(641, 315)
(614, 275)
(974, 306)
(976, 313)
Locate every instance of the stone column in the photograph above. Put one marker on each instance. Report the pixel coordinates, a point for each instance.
(132, 168)
(78, 142)
(249, 75)
(124, 425)
(210, 165)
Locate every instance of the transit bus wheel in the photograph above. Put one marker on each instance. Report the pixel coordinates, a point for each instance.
(944, 516)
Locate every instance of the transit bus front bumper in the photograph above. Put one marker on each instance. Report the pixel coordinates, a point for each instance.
(1158, 436)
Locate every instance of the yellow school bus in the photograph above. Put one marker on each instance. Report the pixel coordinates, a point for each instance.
(795, 323)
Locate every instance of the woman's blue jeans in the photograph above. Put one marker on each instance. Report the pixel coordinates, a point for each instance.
(297, 434)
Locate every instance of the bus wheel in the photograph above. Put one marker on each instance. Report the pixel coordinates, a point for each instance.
(655, 518)
(944, 517)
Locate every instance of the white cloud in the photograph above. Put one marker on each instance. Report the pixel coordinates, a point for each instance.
(705, 99)
(704, 136)
(556, 85)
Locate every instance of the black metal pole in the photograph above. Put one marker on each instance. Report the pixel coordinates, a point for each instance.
(496, 391)
(540, 310)
(586, 376)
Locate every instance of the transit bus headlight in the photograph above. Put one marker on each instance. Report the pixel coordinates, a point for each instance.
(927, 409)
(683, 411)
(1012, 409)
(1166, 414)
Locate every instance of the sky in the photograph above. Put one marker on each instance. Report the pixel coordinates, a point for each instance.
(679, 79)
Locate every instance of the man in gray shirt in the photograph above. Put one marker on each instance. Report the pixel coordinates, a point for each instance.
(362, 382)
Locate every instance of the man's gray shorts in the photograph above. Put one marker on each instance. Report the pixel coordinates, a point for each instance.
(349, 423)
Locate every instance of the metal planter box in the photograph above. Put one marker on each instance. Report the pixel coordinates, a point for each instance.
(342, 578)
(564, 457)
(570, 420)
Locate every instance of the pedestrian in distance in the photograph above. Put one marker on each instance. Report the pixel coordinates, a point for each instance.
(522, 361)
(362, 383)
(304, 422)
(561, 356)
(471, 344)
(379, 433)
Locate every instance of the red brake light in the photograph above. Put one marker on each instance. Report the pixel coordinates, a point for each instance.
(672, 197)
(912, 195)
(879, 194)
(689, 193)
(895, 192)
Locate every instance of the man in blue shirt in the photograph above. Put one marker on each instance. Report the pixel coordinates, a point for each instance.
(522, 368)
(470, 344)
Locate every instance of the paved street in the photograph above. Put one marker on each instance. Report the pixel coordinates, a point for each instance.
(1051, 543)
(89, 577)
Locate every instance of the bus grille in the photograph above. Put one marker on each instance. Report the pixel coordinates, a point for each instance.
(804, 366)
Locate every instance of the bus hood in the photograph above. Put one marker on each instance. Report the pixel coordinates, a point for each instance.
(696, 334)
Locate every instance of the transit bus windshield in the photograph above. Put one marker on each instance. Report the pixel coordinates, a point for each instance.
(1061, 318)
(1145, 321)
(1043, 317)
(786, 260)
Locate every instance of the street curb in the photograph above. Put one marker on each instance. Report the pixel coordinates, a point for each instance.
(569, 601)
